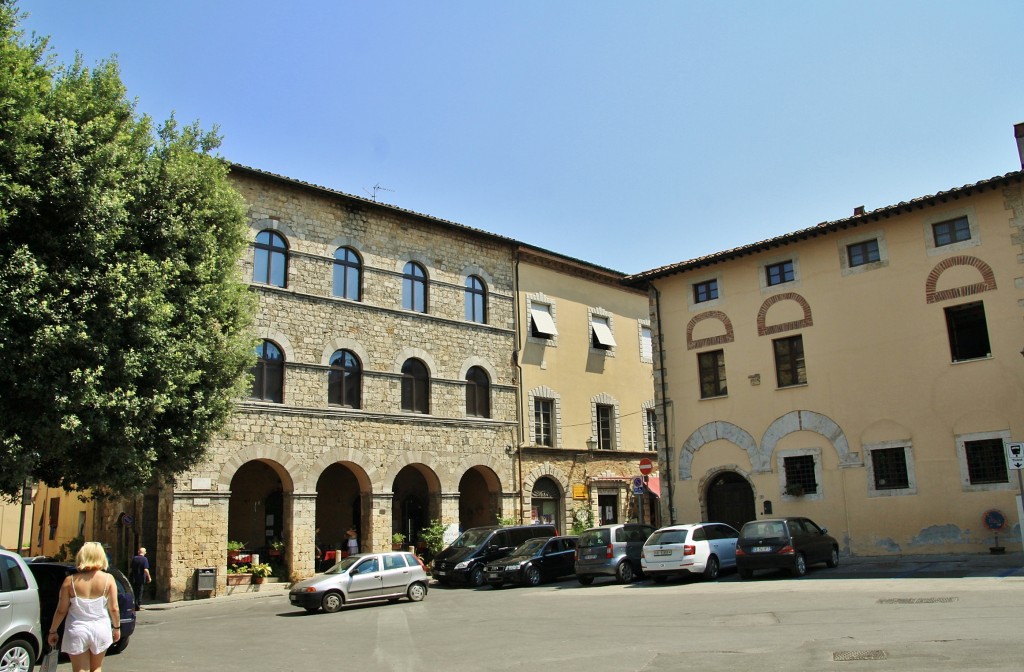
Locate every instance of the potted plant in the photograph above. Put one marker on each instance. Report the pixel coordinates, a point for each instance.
(397, 539)
(794, 490)
(234, 548)
(260, 571)
(238, 575)
(432, 536)
(276, 548)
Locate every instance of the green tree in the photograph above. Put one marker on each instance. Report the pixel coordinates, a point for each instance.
(124, 321)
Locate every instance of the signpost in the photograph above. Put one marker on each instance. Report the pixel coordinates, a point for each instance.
(646, 466)
(1015, 460)
(640, 486)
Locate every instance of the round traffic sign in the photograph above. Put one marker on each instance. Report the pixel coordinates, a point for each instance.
(646, 466)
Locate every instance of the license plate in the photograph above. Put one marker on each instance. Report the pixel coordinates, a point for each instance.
(590, 556)
(512, 568)
(761, 549)
(440, 572)
(663, 552)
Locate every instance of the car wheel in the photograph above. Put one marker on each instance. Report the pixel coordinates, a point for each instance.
(17, 655)
(799, 565)
(416, 592)
(585, 580)
(746, 573)
(332, 602)
(659, 578)
(117, 647)
(624, 572)
(711, 568)
(532, 576)
(833, 560)
(476, 577)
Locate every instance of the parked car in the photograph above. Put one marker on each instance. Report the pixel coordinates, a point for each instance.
(21, 636)
(535, 561)
(611, 550)
(698, 548)
(464, 561)
(362, 578)
(50, 575)
(784, 543)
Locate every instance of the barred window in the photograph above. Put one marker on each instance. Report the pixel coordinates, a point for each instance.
(986, 461)
(800, 475)
(890, 468)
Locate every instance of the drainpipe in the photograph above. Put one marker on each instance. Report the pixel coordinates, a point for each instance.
(519, 382)
(664, 407)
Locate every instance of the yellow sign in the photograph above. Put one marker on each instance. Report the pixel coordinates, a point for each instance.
(579, 491)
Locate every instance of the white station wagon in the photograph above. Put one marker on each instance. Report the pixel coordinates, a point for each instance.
(699, 548)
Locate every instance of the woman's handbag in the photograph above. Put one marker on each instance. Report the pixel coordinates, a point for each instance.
(49, 663)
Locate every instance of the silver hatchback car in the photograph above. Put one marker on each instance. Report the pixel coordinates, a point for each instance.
(362, 578)
(21, 638)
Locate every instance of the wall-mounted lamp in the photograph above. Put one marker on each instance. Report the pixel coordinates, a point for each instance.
(592, 443)
(509, 450)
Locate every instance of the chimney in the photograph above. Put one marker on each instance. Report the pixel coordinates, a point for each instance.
(1018, 132)
(858, 211)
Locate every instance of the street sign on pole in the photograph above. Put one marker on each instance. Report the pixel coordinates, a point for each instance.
(646, 466)
(1015, 455)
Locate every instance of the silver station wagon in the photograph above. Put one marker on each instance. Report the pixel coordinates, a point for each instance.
(362, 578)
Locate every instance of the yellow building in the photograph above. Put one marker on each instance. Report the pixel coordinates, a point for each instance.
(587, 413)
(865, 372)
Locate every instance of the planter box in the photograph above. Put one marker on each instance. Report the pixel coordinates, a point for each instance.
(239, 579)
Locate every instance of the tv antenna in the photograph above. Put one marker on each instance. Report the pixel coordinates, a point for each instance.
(376, 188)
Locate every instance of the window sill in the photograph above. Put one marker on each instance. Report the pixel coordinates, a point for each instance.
(972, 359)
(790, 387)
(717, 396)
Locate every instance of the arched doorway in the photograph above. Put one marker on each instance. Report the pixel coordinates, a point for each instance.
(479, 498)
(730, 499)
(417, 493)
(339, 506)
(546, 502)
(256, 509)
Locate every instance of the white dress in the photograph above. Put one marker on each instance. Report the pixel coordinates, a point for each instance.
(88, 626)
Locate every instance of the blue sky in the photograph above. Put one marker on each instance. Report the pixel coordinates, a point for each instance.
(629, 134)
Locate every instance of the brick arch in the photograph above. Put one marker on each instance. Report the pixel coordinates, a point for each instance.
(713, 431)
(727, 337)
(275, 456)
(988, 279)
(549, 470)
(762, 314)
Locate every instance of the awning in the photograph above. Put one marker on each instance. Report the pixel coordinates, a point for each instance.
(603, 334)
(542, 322)
(654, 485)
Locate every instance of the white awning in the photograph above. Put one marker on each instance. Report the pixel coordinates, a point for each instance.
(542, 322)
(603, 334)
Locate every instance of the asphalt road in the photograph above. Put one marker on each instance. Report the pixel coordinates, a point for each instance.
(821, 622)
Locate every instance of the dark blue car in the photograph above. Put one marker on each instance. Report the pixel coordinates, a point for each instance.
(50, 576)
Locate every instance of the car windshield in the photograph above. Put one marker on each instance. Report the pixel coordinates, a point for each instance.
(667, 537)
(343, 565)
(471, 538)
(530, 547)
(764, 530)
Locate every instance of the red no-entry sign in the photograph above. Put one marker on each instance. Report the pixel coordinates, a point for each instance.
(646, 466)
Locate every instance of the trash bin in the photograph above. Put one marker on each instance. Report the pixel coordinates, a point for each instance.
(206, 579)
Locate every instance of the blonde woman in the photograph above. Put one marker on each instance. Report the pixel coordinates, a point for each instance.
(89, 599)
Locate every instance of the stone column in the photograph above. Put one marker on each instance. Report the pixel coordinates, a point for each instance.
(378, 537)
(299, 529)
(198, 524)
(450, 508)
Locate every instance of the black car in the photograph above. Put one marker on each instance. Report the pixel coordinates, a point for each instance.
(464, 561)
(535, 561)
(784, 543)
(50, 576)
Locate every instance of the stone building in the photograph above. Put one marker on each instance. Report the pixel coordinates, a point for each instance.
(864, 372)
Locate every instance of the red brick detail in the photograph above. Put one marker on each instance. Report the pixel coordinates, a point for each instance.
(762, 315)
(988, 279)
(727, 337)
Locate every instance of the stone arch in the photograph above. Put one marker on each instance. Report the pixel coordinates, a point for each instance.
(484, 364)
(419, 258)
(365, 472)
(343, 343)
(762, 314)
(727, 337)
(437, 478)
(276, 457)
(736, 508)
(491, 463)
(808, 421)
(473, 269)
(719, 430)
(988, 279)
(345, 241)
(272, 225)
(271, 334)
(418, 353)
(550, 470)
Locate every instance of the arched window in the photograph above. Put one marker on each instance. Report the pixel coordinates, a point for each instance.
(478, 393)
(476, 300)
(414, 288)
(270, 259)
(348, 272)
(345, 380)
(415, 387)
(268, 374)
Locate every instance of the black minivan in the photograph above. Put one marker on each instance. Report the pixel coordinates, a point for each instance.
(464, 560)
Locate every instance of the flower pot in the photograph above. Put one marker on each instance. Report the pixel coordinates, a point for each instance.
(258, 579)
(239, 579)
(997, 550)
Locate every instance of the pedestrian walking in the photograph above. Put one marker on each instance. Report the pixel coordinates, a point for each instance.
(139, 575)
(353, 541)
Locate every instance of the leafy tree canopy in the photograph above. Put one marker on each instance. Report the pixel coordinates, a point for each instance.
(124, 323)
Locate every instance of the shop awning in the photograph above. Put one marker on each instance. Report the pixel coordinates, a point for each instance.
(654, 485)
